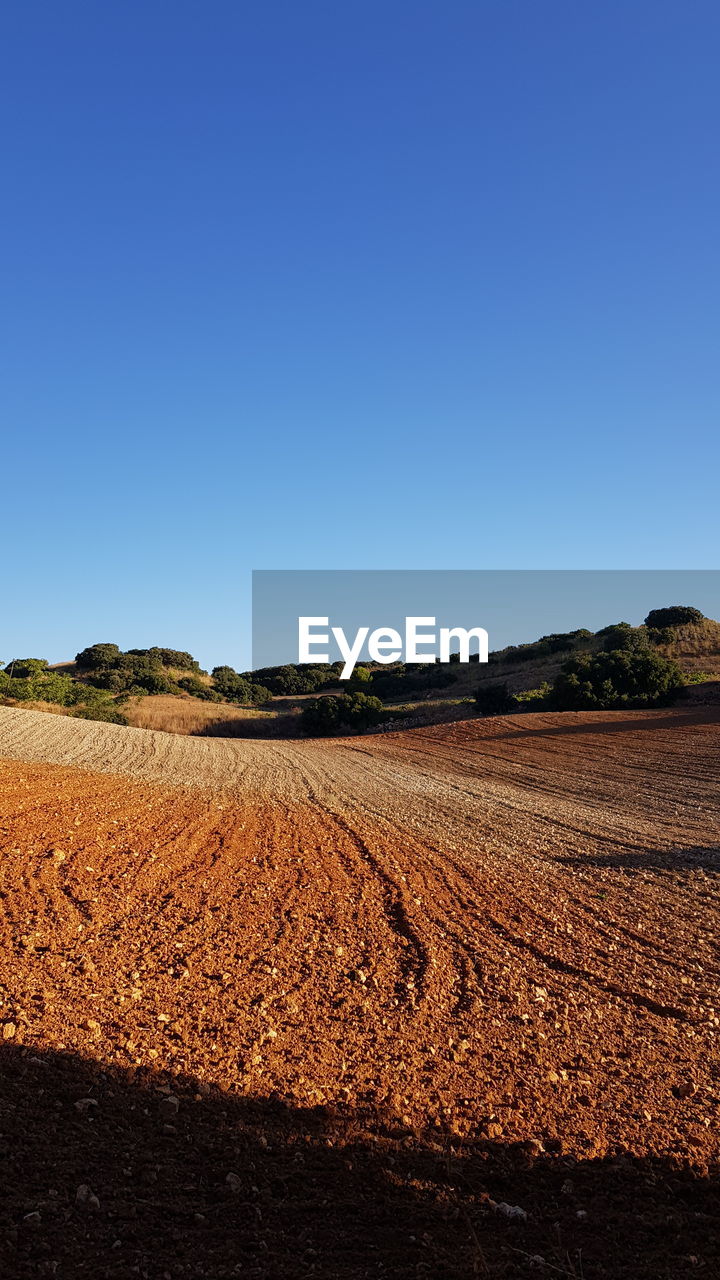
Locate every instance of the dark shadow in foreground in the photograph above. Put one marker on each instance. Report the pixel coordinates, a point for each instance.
(283, 726)
(639, 721)
(103, 1175)
(698, 858)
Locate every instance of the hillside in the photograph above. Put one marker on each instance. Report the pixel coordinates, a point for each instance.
(165, 689)
(328, 1007)
(696, 648)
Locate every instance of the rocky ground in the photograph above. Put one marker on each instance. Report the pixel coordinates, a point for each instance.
(430, 1004)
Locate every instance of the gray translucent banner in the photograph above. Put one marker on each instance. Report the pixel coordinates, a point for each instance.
(513, 606)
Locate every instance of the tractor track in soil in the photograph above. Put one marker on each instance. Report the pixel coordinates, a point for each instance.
(416, 955)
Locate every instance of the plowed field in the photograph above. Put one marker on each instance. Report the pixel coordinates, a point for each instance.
(435, 1004)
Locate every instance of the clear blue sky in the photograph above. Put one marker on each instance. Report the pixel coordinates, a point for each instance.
(370, 285)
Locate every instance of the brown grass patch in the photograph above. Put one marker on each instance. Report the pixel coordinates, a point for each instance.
(696, 647)
(52, 707)
(172, 714)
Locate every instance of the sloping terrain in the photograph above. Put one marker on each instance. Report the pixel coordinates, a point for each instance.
(434, 1004)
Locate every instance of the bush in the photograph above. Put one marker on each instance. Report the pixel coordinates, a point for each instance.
(622, 678)
(133, 672)
(146, 672)
(106, 713)
(115, 681)
(535, 699)
(290, 679)
(660, 635)
(237, 688)
(6, 686)
(346, 712)
(605, 631)
(177, 658)
(174, 658)
(360, 680)
(41, 687)
(98, 656)
(404, 681)
(676, 615)
(259, 695)
(536, 650)
(231, 685)
(21, 668)
(623, 636)
(154, 681)
(494, 700)
(195, 687)
(49, 686)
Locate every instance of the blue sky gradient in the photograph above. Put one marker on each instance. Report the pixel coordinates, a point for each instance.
(365, 285)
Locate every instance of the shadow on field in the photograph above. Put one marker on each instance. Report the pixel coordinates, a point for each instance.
(701, 858)
(647, 720)
(284, 726)
(103, 1175)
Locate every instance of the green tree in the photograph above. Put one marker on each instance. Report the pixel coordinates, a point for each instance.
(21, 668)
(623, 636)
(98, 656)
(174, 658)
(360, 680)
(346, 712)
(676, 615)
(622, 678)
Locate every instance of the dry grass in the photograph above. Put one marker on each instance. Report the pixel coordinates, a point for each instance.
(179, 673)
(696, 647)
(53, 707)
(172, 714)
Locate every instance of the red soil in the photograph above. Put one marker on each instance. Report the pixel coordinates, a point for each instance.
(391, 982)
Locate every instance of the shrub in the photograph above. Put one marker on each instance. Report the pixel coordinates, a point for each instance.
(115, 681)
(535, 699)
(153, 681)
(98, 656)
(345, 712)
(41, 687)
(237, 688)
(291, 679)
(605, 631)
(676, 615)
(622, 678)
(106, 713)
(259, 695)
(494, 700)
(222, 674)
(231, 685)
(195, 687)
(557, 642)
(21, 668)
(660, 635)
(623, 636)
(405, 681)
(133, 672)
(177, 658)
(174, 658)
(361, 679)
(146, 672)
